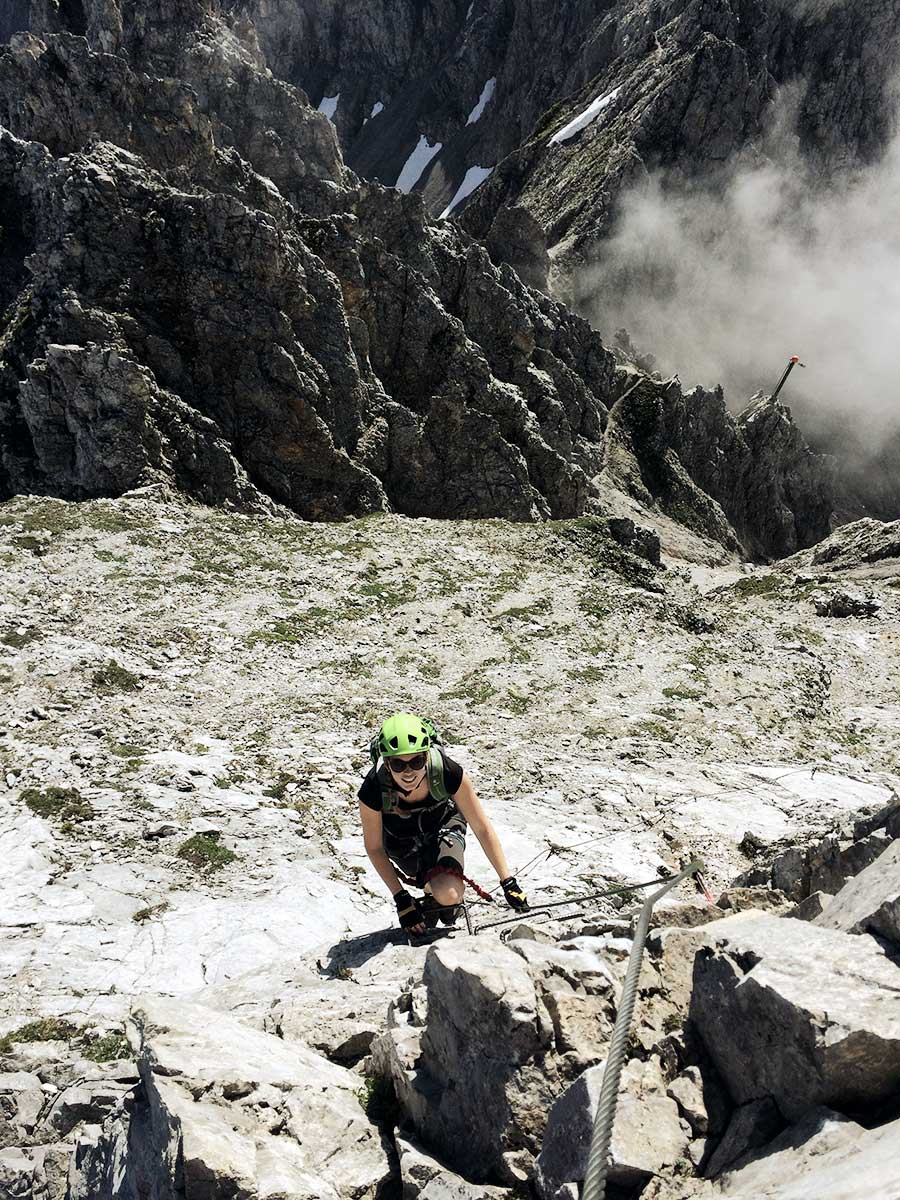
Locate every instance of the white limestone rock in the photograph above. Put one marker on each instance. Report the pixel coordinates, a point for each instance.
(425, 1178)
(687, 1092)
(215, 1088)
(824, 1155)
(804, 1015)
(648, 1137)
(870, 903)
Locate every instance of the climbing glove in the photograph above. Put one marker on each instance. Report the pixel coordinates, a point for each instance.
(409, 910)
(515, 897)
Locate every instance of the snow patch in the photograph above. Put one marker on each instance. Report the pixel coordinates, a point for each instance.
(486, 92)
(377, 107)
(473, 178)
(328, 104)
(416, 164)
(593, 110)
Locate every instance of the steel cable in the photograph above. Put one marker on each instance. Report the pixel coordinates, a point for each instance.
(598, 1158)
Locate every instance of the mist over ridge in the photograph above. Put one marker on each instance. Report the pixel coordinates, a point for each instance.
(723, 278)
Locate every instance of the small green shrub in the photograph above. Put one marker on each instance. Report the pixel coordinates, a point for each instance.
(147, 914)
(115, 678)
(204, 852)
(757, 585)
(516, 703)
(379, 1100)
(18, 639)
(126, 750)
(682, 693)
(107, 1048)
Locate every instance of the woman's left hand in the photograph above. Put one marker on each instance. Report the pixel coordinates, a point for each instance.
(515, 897)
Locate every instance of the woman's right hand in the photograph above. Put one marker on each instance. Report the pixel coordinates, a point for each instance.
(409, 910)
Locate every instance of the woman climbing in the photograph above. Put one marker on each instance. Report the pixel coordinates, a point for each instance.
(415, 804)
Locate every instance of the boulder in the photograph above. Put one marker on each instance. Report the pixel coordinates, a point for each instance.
(823, 1155)
(751, 1125)
(244, 1110)
(804, 1015)
(648, 1137)
(826, 865)
(85, 1103)
(673, 951)
(16, 1174)
(424, 1178)
(21, 1099)
(881, 818)
(36, 1173)
(687, 1092)
(869, 903)
(810, 908)
(338, 1019)
(478, 1081)
(846, 604)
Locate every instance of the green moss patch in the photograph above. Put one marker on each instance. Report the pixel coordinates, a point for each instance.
(204, 852)
(115, 678)
(19, 638)
(58, 804)
(47, 1029)
(757, 585)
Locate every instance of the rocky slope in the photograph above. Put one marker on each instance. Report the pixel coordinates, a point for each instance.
(187, 700)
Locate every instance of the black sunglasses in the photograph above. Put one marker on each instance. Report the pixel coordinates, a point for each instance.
(416, 763)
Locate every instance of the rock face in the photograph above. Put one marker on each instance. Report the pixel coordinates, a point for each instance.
(275, 331)
(497, 1033)
(647, 1135)
(484, 1032)
(198, 292)
(859, 545)
(683, 84)
(228, 1110)
(775, 1028)
(869, 903)
(755, 479)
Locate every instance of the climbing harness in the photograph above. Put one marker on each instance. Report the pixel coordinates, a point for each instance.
(598, 1158)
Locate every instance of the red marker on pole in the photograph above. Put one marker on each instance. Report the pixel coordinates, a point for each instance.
(793, 363)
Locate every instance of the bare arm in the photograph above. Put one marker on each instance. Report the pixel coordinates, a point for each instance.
(372, 840)
(480, 823)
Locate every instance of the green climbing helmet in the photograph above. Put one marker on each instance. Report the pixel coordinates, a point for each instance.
(404, 733)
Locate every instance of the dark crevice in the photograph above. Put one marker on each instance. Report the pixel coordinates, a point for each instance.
(71, 13)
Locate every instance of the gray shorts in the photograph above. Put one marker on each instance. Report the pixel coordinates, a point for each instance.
(447, 849)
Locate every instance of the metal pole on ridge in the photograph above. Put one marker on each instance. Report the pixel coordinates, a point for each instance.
(783, 380)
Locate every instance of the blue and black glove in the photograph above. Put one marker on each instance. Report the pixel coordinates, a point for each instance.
(515, 897)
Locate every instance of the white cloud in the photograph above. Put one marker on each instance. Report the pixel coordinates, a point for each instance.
(724, 284)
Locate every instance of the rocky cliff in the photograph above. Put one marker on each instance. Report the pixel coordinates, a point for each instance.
(564, 105)
(197, 290)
